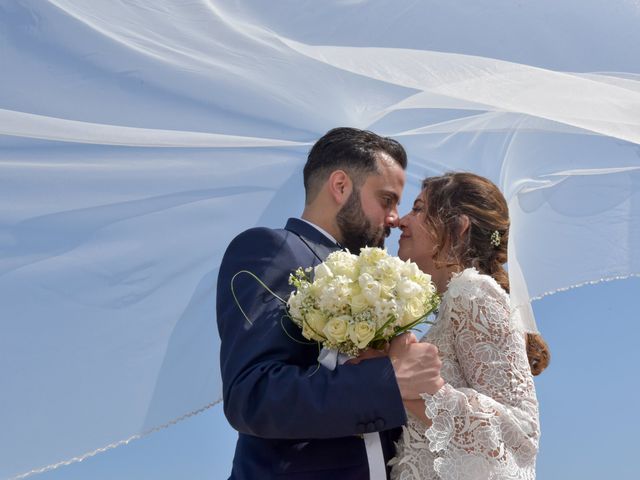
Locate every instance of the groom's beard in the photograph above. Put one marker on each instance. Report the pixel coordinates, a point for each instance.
(357, 231)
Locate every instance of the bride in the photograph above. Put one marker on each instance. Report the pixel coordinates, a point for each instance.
(483, 422)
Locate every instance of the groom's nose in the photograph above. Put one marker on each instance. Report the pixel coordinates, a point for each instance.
(392, 220)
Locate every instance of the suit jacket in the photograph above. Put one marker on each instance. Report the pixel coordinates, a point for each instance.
(295, 420)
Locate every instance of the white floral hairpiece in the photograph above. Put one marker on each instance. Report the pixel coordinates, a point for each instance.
(495, 238)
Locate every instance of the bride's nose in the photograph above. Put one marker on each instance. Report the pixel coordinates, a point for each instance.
(402, 223)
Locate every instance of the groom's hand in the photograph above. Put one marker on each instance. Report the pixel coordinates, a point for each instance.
(416, 365)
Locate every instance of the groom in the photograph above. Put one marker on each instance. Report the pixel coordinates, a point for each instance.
(295, 420)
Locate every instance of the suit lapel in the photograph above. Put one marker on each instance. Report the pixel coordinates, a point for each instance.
(319, 244)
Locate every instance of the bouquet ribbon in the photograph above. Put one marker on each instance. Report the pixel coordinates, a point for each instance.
(330, 358)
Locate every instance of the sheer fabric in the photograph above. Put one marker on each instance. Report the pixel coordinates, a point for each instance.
(137, 138)
(485, 418)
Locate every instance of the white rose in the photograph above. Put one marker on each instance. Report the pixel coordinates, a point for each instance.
(413, 310)
(361, 333)
(336, 329)
(358, 303)
(313, 325)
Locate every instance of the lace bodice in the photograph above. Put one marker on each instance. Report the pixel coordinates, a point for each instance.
(485, 418)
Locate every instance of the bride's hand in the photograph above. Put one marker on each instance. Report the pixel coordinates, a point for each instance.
(417, 408)
(368, 354)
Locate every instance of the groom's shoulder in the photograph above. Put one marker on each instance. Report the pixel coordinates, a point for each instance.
(261, 250)
(256, 240)
(258, 236)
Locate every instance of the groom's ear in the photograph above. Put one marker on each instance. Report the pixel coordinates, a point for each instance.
(340, 186)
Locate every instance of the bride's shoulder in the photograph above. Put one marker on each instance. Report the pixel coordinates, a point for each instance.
(471, 283)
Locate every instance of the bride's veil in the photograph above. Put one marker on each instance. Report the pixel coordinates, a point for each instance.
(138, 138)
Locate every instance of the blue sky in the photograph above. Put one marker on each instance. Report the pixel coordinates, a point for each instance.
(65, 63)
(587, 397)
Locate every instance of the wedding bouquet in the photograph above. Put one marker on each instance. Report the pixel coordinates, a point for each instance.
(357, 301)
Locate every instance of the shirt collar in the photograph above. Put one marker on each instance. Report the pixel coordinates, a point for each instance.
(322, 231)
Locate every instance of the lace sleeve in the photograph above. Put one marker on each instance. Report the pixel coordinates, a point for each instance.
(492, 425)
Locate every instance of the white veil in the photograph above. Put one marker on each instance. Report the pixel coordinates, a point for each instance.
(138, 138)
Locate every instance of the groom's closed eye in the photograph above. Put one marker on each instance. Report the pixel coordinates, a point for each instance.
(390, 200)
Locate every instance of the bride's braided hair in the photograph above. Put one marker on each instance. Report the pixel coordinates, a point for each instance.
(451, 197)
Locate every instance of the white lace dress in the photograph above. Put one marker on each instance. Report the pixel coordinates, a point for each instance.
(485, 418)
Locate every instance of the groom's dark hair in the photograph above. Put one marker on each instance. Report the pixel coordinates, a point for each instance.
(352, 150)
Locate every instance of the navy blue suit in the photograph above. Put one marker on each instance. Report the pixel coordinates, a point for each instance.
(295, 420)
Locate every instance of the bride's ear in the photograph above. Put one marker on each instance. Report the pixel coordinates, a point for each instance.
(463, 224)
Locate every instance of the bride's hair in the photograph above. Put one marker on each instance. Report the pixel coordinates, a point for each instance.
(450, 198)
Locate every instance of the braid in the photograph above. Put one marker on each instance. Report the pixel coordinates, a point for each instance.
(538, 353)
(497, 259)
